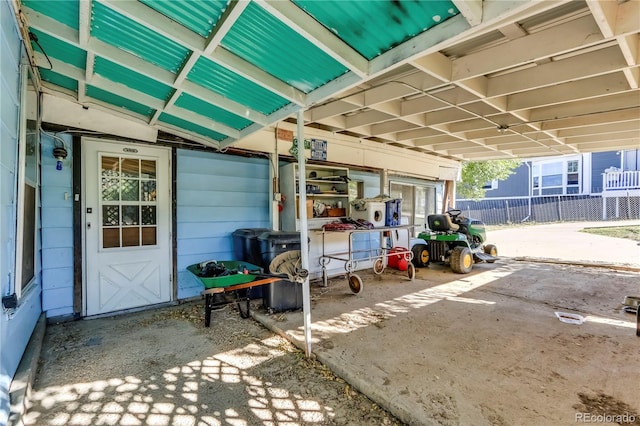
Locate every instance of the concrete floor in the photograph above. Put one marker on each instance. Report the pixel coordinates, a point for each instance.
(484, 348)
(487, 347)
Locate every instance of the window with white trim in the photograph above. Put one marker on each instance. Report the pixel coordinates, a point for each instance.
(556, 177)
(27, 201)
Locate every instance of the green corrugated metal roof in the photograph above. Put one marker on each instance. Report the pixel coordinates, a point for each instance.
(197, 15)
(59, 80)
(141, 83)
(186, 125)
(119, 101)
(374, 27)
(235, 87)
(64, 11)
(65, 52)
(215, 113)
(290, 64)
(126, 34)
(269, 44)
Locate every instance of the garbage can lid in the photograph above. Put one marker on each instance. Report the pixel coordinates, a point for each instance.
(281, 237)
(249, 231)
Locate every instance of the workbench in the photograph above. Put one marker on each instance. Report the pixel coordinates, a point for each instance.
(374, 252)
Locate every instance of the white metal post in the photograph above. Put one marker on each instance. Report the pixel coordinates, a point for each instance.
(304, 235)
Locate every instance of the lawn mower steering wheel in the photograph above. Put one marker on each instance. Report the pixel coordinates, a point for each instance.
(454, 213)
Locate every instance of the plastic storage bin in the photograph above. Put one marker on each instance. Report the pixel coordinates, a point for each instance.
(393, 212)
(245, 244)
(372, 211)
(282, 295)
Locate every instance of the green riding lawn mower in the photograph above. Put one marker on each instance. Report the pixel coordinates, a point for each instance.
(455, 240)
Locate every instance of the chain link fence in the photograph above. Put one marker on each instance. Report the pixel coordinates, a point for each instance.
(551, 208)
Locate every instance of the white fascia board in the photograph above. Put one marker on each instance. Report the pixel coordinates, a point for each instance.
(57, 110)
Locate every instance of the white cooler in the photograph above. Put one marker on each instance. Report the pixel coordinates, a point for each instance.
(371, 211)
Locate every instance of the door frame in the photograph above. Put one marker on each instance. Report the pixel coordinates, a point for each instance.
(80, 251)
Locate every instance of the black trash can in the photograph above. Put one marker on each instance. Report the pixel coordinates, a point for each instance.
(246, 246)
(283, 295)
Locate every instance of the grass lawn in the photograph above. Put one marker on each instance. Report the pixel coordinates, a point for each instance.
(630, 232)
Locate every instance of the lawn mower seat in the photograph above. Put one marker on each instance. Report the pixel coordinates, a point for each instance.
(441, 223)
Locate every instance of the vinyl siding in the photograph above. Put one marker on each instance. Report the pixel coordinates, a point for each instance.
(216, 194)
(599, 162)
(516, 185)
(57, 230)
(17, 325)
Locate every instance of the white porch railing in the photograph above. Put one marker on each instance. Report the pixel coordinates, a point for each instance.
(614, 181)
(618, 185)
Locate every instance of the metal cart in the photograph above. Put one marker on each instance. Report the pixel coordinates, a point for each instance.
(377, 253)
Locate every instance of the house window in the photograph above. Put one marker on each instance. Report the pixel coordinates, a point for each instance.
(27, 206)
(556, 177)
(418, 201)
(491, 185)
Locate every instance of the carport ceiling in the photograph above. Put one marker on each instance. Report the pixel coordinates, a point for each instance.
(465, 80)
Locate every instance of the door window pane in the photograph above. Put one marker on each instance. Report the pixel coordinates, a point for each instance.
(110, 215)
(130, 167)
(148, 215)
(110, 237)
(149, 236)
(110, 166)
(130, 215)
(130, 237)
(129, 187)
(148, 169)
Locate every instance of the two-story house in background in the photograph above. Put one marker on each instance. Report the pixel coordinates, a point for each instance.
(590, 186)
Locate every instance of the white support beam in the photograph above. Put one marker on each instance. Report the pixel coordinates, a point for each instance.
(604, 13)
(471, 10)
(574, 35)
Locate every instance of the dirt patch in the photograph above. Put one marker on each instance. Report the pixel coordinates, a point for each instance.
(606, 408)
(164, 367)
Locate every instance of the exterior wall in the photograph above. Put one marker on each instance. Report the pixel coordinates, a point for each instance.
(599, 162)
(371, 182)
(592, 166)
(516, 185)
(216, 194)
(57, 229)
(16, 325)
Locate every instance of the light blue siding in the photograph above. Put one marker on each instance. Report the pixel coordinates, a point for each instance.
(57, 230)
(17, 325)
(216, 194)
(370, 180)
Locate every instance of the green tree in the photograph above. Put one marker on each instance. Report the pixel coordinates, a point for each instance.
(476, 174)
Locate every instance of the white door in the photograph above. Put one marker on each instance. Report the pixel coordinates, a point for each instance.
(127, 226)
